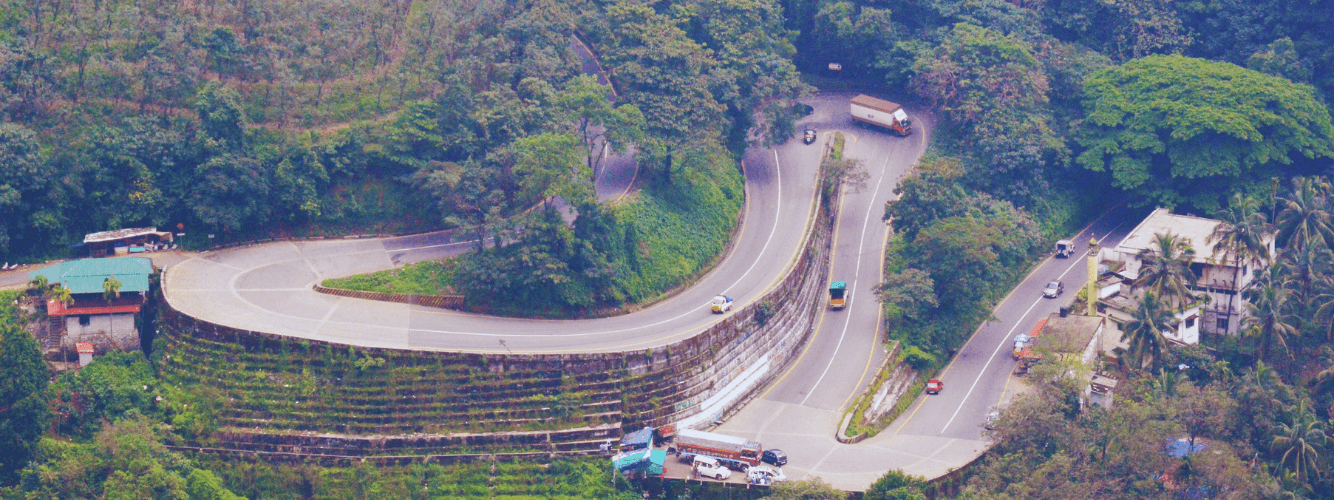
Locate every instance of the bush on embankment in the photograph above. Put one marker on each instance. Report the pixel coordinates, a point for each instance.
(953, 254)
(632, 251)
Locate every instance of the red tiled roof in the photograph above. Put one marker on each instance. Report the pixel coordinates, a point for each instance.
(55, 308)
(84, 347)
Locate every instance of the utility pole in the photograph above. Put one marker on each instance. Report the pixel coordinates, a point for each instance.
(1092, 294)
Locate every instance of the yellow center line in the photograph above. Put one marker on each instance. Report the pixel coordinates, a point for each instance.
(879, 321)
(819, 324)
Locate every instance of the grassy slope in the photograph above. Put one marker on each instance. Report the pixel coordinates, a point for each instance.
(423, 278)
(678, 232)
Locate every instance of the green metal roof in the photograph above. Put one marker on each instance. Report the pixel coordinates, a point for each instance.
(87, 275)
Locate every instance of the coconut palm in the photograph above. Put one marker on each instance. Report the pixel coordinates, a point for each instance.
(1324, 304)
(1166, 270)
(1168, 381)
(1299, 443)
(1304, 220)
(59, 294)
(1269, 321)
(39, 283)
(111, 288)
(1240, 240)
(1305, 266)
(1144, 331)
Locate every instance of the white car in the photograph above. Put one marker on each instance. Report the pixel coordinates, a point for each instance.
(764, 474)
(709, 467)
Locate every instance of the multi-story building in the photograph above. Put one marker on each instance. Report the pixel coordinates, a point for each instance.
(1214, 270)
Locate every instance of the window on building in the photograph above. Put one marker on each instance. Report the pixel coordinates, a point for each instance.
(84, 320)
(1222, 324)
(1190, 322)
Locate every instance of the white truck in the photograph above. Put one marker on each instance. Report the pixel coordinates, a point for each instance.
(881, 113)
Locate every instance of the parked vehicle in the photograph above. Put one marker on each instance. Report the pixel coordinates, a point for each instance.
(1065, 248)
(665, 434)
(838, 292)
(735, 465)
(718, 445)
(775, 457)
(637, 440)
(934, 386)
(809, 136)
(881, 113)
(1020, 341)
(710, 467)
(764, 474)
(721, 304)
(1026, 355)
(1053, 289)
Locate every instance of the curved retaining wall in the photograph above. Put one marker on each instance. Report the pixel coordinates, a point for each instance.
(695, 381)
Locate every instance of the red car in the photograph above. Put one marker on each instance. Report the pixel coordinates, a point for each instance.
(934, 386)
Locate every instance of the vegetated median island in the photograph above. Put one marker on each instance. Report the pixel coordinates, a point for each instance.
(631, 251)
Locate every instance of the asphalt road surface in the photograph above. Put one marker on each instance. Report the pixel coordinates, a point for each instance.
(801, 412)
(268, 287)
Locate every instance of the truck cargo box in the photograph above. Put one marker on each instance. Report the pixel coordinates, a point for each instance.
(879, 112)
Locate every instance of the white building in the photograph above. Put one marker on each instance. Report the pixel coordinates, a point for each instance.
(1214, 273)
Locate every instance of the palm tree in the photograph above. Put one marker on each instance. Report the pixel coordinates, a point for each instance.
(1240, 240)
(1144, 332)
(111, 288)
(1304, 220)
(1166, 269)
(1262, 375)
(1299, 443)
(1306, 266)
(1324, 304)
(1167, 382)
(39, 283)
(59, 294)
(1269, 320)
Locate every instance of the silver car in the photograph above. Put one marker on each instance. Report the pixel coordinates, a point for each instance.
(1053, 289)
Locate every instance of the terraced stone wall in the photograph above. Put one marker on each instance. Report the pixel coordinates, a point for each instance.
(285, 396)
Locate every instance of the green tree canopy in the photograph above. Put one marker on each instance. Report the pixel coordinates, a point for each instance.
(23, 411)
(1178, 130)
(896, 485)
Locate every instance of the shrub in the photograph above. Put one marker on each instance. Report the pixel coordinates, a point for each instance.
(918, 359)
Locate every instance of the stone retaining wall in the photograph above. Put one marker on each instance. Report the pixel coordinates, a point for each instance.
(656, 386)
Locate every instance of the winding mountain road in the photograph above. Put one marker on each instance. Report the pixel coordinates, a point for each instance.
(268, 288)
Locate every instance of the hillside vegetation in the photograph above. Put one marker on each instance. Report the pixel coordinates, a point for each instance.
(1051, 112)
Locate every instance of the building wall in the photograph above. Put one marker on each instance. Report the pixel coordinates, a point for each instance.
(1186, 331)
(1215, 281)
(105, 331)
(1091, 350)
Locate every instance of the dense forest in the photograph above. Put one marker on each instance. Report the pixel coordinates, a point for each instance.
(250, 119)
(245, 120)
(1055, 108)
